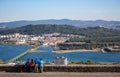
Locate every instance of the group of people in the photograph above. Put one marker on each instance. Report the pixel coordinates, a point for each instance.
(34, 65)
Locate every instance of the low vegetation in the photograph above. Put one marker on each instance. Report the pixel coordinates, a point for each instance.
(88, 62)
(91, 43)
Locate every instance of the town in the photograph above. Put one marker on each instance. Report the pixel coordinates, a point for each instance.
(46, 39)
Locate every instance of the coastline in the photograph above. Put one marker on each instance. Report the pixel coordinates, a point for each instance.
(80, 50)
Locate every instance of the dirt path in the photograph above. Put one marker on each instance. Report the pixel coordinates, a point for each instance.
(59, 74)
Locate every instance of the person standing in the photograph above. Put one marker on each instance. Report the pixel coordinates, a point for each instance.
(41, 65)
(27, 66)
(36, 65)
(31, 63)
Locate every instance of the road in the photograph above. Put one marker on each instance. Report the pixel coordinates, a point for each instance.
(59, 74)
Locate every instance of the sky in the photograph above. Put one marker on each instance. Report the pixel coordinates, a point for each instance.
(14, 10)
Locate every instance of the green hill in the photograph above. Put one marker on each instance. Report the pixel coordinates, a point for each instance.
(66, 29)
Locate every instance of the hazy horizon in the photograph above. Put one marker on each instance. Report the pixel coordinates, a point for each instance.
(31, 10)
(57, 19)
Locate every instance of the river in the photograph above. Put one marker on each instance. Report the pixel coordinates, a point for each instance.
(74, 56)
(8, 51)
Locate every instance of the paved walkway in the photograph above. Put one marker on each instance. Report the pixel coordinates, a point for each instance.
(59, 74)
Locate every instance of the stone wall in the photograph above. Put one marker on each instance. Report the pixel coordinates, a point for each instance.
(80, 68)
(87, 68)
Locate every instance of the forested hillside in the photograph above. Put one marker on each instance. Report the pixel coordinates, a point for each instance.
(66, 29)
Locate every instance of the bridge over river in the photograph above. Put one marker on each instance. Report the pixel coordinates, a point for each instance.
(34, 49)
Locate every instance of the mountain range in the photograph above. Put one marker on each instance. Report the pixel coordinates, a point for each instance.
(77, 23)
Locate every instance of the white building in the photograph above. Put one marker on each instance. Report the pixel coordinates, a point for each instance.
(60, 60)
(21, 41)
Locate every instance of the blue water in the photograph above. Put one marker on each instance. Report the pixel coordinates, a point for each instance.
(74, 56)
(9, 51)
(47, 49)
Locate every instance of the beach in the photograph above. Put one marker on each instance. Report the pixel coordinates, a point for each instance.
(80, 50)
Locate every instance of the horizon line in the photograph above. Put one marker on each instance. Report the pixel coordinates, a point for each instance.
(58, 19)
